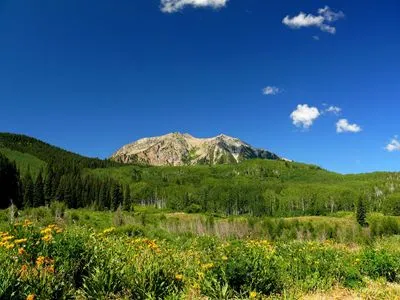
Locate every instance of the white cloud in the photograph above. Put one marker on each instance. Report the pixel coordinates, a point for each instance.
(330, 15)
(334, 109)
(172, 6)
(394, 145)
(322, 20)
(271, 90)
(304, 115)
(316, 37)
(303, 20)
(344, 126)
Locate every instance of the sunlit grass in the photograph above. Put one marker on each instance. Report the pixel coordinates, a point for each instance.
(66, 257)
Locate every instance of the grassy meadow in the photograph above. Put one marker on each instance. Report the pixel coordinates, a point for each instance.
(54, 253)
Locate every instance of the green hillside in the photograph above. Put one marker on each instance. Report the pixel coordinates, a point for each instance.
(49, 153)
(24, 161)
(252, 187)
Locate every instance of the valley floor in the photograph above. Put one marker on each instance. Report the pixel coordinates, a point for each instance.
(49, 253)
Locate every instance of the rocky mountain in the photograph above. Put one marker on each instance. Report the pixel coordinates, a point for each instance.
(178, 149)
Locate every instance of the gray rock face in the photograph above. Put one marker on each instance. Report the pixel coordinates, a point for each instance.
(178, 149)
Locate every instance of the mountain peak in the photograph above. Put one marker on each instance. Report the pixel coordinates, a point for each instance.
(184, 149)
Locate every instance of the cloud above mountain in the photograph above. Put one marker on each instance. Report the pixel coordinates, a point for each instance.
(305, 115)
(172, 6)
(322, 20)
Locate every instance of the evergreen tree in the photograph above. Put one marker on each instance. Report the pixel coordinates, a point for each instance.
(49, 185)
(68, 193)
(361, 213)
(38, 195)
(29, 191)
(9, 183)
(116, 196)
(60, 189)
(127, 205)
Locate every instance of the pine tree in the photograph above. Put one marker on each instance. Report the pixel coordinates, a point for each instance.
(361, 213)
(38, 194)
(28, 188)
(68, 193)
(127, 205)
(9, 183)
(49, 185)
(60, 189)
(116, 196)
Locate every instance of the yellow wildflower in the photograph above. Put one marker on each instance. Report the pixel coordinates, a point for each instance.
(20, 241)
(21, 251)
(207, 266)
(10, 246)
(27, 223)
(253, 295)
(7, 238)
(40, 260)
(47, 238)
(31, 297)
(46, 231)
(179, 277)
(108, 230)
(24, 270)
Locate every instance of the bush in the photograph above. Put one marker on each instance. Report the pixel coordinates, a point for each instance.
(381, 263)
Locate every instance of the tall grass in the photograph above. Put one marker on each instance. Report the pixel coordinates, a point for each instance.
(49, 257)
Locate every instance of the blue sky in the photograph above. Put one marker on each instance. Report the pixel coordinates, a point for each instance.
(90, 76)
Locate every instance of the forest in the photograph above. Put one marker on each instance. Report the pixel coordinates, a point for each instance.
(253, 187)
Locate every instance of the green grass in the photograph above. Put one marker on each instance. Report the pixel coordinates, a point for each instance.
(24, 161)
(104, 255)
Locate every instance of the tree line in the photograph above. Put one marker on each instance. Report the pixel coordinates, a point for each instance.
(58, 183)
(258, 188)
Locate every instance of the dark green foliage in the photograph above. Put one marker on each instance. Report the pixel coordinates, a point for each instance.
(61, 158)
(9, 183)
(38, 195)
(49, 185)
(29, 191)
(361, 213)
(127, 204)
(381, 263)
(116, 196)
(62, 181)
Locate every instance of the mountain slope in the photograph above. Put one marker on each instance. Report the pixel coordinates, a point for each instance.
(178, 149)
(17, 143)
(25, 162)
